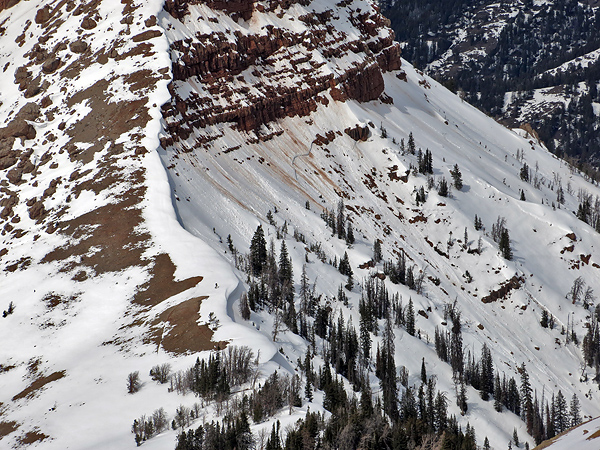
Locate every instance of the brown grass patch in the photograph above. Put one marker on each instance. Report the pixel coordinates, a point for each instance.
(112, 231)
(7, 427)
(185, 334)
(32, 436)
(106, 122)
(162, 285)
(38, 384)
(594, 435)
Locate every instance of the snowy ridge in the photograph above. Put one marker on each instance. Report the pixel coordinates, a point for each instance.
(583, 437)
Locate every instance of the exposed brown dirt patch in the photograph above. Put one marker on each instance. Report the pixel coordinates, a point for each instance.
(110, 230)
(7, 427)
(38, 384)
(594, 435)
(32, 436)
(162, 285)
(106, 121)
(184, 334)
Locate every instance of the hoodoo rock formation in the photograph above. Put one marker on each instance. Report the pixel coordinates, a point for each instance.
(299, 65)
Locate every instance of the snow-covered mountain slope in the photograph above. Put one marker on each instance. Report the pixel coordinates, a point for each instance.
(584, 437)
(93, 259)
(115, 264)
(544, 54)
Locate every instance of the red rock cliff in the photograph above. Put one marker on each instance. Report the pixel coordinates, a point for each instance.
(254, 76)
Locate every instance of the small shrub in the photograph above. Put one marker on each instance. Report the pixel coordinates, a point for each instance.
(133, 382)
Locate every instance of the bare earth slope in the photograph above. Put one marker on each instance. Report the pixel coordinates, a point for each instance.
(91, 253)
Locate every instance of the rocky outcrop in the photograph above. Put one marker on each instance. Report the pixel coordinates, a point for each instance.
(5, 4)
(358, 132)
(253, 78)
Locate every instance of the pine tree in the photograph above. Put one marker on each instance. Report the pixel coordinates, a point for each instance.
(504, 245)
(286, 274)
(258, 251)
(561, 418)
(410, 318)
(486, 444)
(411, 144)
(366, 402)
(526, 399)
(456, 177)
(462, 397)
(341, 220)
(423, 371)
(274, 443)
(575, 412)
(377, 251)
(524, 172)
(388, 380)
(456, 346)
(487, 373)
(544, 319)
(350, 234)
(244, 307)
(443, 190)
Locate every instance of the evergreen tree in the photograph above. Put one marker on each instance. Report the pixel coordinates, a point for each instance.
(544, 319)
(456, 177)
(486, 444)
(349, 234)
(377, 256)
(244, 307)
(286, 274)
(524, 172)
(274, 443)
(387, 370)
(410, 318)
(561, 418)
(456, 347)
(526, 399)
(345, 269)
(443, 190)
(487, 373)
(341, 220)
(504, 245)
(461, 400)
(258, 251)
(411, 144)
(575, 412)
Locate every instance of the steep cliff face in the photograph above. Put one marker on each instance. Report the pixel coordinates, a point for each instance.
(276, 59)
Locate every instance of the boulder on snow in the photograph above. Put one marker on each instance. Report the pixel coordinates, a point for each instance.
(359, 132)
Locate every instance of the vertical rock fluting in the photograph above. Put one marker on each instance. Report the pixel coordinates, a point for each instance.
(253, 77)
